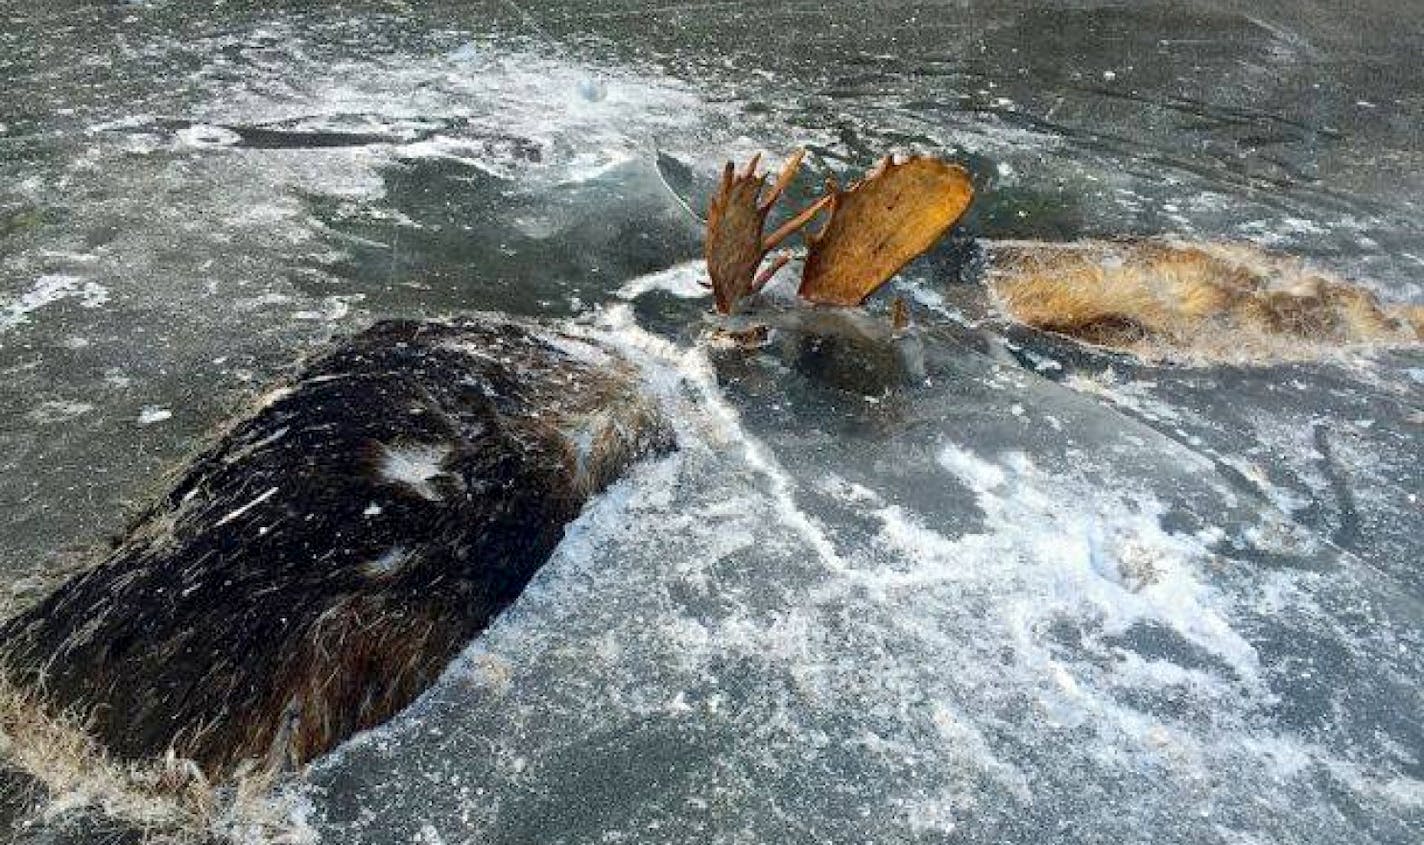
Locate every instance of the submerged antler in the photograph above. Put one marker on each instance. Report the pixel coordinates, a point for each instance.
(880, 224)
(735, 220)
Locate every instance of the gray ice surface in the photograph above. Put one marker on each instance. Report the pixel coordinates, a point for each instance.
(992, 588)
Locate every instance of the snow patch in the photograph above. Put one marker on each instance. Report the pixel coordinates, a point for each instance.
(684, 281)
(415, 466)
(1098, 554)
(58, 410)
(206, 135)
(150, 414)
(47, 290)
(981, 475)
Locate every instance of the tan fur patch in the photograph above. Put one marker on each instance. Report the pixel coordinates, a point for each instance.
(1192, 302)
(168, 798)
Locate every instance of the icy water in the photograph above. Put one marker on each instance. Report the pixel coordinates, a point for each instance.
(1013, 592)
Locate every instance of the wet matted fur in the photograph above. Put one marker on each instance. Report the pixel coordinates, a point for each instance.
(317, 568)
(1192, 302)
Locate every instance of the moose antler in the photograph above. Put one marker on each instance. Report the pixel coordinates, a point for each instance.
(879, 224)
(735, 220)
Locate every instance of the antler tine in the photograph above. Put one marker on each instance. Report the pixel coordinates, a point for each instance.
(769, 270)
(794, 224)
(724, 190)
(752, 166)
(783, 181)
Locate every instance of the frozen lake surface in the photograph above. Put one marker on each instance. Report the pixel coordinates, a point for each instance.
(1017, 592)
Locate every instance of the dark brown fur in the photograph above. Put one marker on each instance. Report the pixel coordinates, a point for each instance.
(300, 582)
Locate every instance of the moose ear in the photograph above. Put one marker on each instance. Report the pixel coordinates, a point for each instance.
(880, 224)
